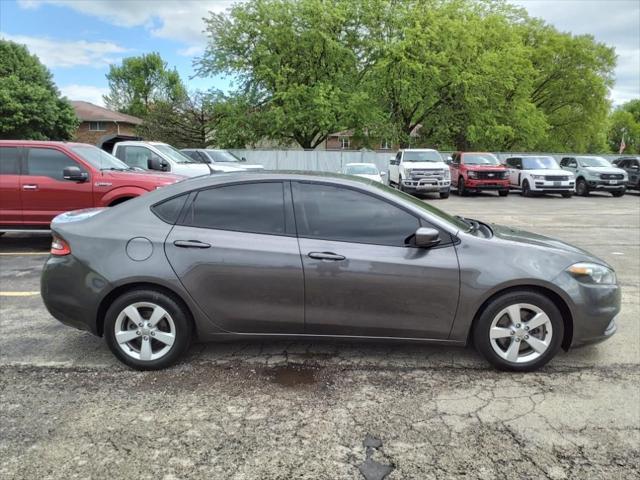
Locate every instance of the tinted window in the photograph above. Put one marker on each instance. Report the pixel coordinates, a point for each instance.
(9, 161)
(47, 162)
(253, 207)
(169, 209)
(335, 213)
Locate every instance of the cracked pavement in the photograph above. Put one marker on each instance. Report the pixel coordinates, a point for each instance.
(321, 410)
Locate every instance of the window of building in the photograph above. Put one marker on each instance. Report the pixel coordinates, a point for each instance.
(97, 126)
(385, 145)
(345, 142)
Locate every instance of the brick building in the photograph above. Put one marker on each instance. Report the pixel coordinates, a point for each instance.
(100, 126)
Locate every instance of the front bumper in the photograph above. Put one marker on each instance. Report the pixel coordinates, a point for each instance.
(471, 184)
(607, 185)
(547, 186)
(594, 309)
(426, 184)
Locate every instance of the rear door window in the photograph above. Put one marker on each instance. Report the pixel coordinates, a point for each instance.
(9, 161)
(49, 162)
(247, 207)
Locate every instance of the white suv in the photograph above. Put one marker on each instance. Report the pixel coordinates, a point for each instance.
(539, 174)
(420, 171)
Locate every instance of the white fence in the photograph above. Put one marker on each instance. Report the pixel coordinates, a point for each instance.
(335, 160)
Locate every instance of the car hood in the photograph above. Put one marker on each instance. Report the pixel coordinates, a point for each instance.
(142, 176)
(549, 171)
(524, 238)
(482, 168)
(376, 178)
(425, 165)
(604, 170)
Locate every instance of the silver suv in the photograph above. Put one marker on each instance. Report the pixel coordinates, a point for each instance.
(595, 174)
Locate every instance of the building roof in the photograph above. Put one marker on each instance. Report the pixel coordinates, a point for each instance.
(88, 112)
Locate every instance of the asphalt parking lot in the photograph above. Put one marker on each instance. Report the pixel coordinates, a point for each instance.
(68, 409)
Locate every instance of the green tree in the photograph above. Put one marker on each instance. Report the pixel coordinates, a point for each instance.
(296, 63)
(573, 75)
(625, 122)
(190, 122)
(30, 104)
(141, 81)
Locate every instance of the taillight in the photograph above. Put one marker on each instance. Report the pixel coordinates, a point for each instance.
(59, 247)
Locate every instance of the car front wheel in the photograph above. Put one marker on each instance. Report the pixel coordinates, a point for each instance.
(581, 188)
(526, 190)
(618, 194)
(147, 329)
(519, 331)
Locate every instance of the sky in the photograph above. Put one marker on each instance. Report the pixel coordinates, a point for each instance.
(78, 39)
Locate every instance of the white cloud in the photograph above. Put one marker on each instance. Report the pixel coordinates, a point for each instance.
(88, 93)
(180, 20)
(64, 53)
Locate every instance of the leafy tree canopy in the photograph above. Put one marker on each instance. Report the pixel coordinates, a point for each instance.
(30, 104)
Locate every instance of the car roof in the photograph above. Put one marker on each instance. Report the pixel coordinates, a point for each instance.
(41, 143)
(419, 150)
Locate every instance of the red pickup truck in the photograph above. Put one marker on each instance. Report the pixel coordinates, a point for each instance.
(39, 180)
(476, 171)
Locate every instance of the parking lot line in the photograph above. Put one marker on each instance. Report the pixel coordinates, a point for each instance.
(18, 294)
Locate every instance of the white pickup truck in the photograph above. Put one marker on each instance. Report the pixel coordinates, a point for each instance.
(420, 171)
(163, 157)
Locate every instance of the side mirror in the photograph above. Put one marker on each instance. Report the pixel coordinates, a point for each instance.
(383, 174)
(243, 159)
(427, 237)
(157, 163)
(74, 174)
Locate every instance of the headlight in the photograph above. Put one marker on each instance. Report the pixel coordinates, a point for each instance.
(473, 174)
(447, 174)
(538, 177)
(593, 273)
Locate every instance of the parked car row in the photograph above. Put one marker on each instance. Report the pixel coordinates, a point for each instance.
(424, 170)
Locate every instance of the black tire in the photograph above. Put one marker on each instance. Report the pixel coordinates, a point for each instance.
(582, 188)
(503, 193)
(444, 194)
(618, 194)
(399, 184)
(567, 194)
(462, 190)
(483, 323)
(526, 190)
(180, 317)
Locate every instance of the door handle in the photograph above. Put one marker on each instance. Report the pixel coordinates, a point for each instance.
(191, 244)
(30, 187)
(326, 256)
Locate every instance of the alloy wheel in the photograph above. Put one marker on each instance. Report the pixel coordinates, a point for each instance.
(145, 331)
(520, 333)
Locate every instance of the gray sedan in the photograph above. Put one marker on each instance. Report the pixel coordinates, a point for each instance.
(272, 255)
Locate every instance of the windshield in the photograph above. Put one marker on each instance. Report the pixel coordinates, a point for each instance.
(99, 159)
(480, 159)
(594, 162)
(428, 156)
(174, 154)
(539, 163)
(362, 170)
(436, 212)
(222, 156)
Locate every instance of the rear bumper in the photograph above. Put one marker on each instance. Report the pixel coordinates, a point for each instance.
(71, 292)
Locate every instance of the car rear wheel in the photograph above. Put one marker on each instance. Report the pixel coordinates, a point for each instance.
(519, 331)
(147, 329)
(581, 188)
(567, 194)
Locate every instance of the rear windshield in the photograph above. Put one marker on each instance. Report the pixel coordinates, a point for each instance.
(428, 156)
(480, 159)
(539, 163)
